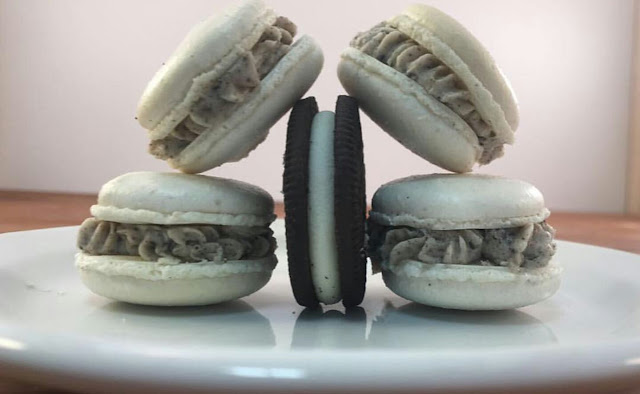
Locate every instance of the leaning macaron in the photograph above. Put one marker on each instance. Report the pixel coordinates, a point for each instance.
(228, 82)
(324, 197)
(472, 242)
(429, 83)
(177, 239)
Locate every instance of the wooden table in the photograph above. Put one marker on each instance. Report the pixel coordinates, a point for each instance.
(27, 210)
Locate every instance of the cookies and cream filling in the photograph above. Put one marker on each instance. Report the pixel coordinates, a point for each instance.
(323, 252)
(229, 91)
(178, 243)
(398, 51)
(528, 246)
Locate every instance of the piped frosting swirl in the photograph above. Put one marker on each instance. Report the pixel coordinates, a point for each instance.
(181, 243)
(528, 246)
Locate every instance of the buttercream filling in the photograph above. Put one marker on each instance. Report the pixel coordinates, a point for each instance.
(528, 246)
(398, 51)
(181, 243)
(226, 93)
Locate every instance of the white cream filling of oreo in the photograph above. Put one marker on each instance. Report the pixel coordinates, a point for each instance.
(323, 251)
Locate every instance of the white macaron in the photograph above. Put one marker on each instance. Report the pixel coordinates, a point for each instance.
(177, 239)
(473, 242)
(234, 75)
(430, 84)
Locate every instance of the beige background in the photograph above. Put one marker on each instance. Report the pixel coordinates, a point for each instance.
(71, 73)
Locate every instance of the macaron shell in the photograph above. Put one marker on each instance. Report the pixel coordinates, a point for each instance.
(249, 124)
(448, 201)
(142, 216)
(173, 198)
(453, 44)
(204, 54)
(472, 287)
(129, 279)
(402, 108)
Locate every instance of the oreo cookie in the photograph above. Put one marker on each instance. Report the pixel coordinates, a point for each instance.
(325, 205)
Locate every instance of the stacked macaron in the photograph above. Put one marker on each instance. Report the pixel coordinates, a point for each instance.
(185, 239)
(459, 241)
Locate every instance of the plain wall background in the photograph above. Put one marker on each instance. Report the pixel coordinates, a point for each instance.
(71, 73)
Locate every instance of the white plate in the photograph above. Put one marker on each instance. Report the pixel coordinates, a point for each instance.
(55, 332)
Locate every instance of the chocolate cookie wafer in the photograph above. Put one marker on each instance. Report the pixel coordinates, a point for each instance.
(295, 188)
(350, 201)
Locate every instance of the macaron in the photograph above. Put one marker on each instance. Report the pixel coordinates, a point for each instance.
(325, 208)
(177, 239)
(431, 85)
(472, 242)
(233, 76)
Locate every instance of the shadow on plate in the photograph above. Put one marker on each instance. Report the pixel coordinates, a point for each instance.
(419, 326)
(331, 329)
(230, 324)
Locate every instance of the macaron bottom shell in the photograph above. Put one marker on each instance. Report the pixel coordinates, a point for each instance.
(471, 287)
(180, 286)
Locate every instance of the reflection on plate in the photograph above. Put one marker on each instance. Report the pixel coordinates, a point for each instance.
(331, 329)
(234, 324)
(415, 326)
(55, 331)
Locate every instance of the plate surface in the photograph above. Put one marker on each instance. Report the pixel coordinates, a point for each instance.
(55, 332)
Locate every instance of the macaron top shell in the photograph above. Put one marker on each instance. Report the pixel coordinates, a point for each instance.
(173, 198)
(209, 48)
(448, 202)
(456, 47)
